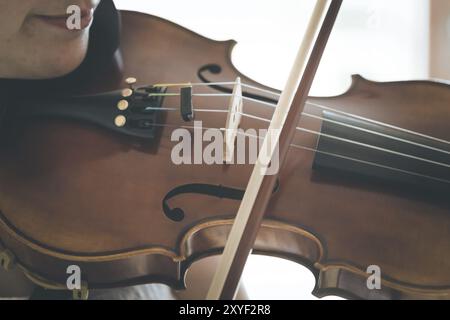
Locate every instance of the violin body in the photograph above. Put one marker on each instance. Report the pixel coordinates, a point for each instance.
(74, 193)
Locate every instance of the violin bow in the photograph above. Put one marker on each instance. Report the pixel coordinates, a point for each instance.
(280, 134)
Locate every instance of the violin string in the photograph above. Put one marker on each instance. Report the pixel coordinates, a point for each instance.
(176, 126)
(312, 104)
(319, 134)
(206, 95)
(374, 147)
(375, 133)
(177, 109)
(322, 107)
(301, 147)
(353, 127)
(224, 83)
(211, 110)
(312, 150)
(379, 123)
(371, 163)
(318, 118)
(245, 85)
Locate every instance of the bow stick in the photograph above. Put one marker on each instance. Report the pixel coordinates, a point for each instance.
(280, 134)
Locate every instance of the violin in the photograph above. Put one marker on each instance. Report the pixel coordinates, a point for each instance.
(87, 177)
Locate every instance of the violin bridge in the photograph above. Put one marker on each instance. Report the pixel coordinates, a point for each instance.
(233, 121)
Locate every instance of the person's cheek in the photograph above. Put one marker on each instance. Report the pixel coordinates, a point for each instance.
(13, 15)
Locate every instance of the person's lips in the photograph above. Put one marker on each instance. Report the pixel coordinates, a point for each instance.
(60, 21)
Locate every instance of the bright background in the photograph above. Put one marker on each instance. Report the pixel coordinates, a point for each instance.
(382, 40)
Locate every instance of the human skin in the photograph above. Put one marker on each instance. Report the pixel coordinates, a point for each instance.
(35, 42)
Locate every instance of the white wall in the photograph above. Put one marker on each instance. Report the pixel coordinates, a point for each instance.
(380, 39)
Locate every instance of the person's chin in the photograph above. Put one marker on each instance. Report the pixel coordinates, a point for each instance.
(65, 61)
